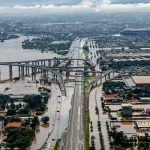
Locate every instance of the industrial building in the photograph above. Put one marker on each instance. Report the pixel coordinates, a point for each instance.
(145, 99)
(136, 32)
(126, 109)
(114, 100)
(142, 124)
(141, 81)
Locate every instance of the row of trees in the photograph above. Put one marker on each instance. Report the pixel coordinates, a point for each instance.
(3, 101)
(36, 102)
(113, 87)
(19, 138)
(122, 64)
(121, 140)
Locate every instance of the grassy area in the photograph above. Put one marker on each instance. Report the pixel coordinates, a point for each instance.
(119, 114)
(57, 145)
(87, 138)
(86, 54)
(86, 81)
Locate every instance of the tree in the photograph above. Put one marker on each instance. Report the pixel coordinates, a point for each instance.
(35, 122)
(45, 119)
(15, 119)
(11, 112)
(19, 138)
(103, 105)
(23, 111)
(26, 122)
(20, 105)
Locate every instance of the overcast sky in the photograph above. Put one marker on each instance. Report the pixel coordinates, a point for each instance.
(75, 5)
(62, 2)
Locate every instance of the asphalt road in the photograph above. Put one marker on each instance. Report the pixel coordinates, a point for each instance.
(76, 135)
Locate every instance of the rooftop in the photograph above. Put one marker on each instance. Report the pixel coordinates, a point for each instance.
(126, 105)
(141, 79)
(13, 124)
(143, 124)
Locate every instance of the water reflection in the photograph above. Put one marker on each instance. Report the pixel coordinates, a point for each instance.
(12, 50)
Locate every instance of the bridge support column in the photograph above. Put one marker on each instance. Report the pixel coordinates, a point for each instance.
(41, 63)
(22, 71)
(101, 79)
(56, 77)
(44, 73)
(38, 63)
(109, 76)
(10, 72)
(67, 74)
(35, 63)
(53, 76)
(41, 73)
(44, 62)
(19, 71)
(33, 73)
(27, 69)
(49, 63)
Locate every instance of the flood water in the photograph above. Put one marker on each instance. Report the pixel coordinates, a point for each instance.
(11, 50)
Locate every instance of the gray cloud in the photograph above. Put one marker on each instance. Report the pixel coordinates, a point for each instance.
(73, 5)
(38, 2)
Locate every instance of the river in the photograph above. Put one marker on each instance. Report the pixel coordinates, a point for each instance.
(11, 50)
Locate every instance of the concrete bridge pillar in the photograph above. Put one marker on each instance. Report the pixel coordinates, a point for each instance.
(101, 79)
(19, 71)
(38, 63)
(67, 74)
(22, 71)
(33, 73)
(49, 63)
(44, 63)
(44, 73)
(41, 63)
(27, 69)
(56, 77)
(10, 72)
(53, 75)
(41, 73)
(109, 75)
(35, 63)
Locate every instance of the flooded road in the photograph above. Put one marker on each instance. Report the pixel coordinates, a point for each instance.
(94, 100)
(11, 50)
(58, 111)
